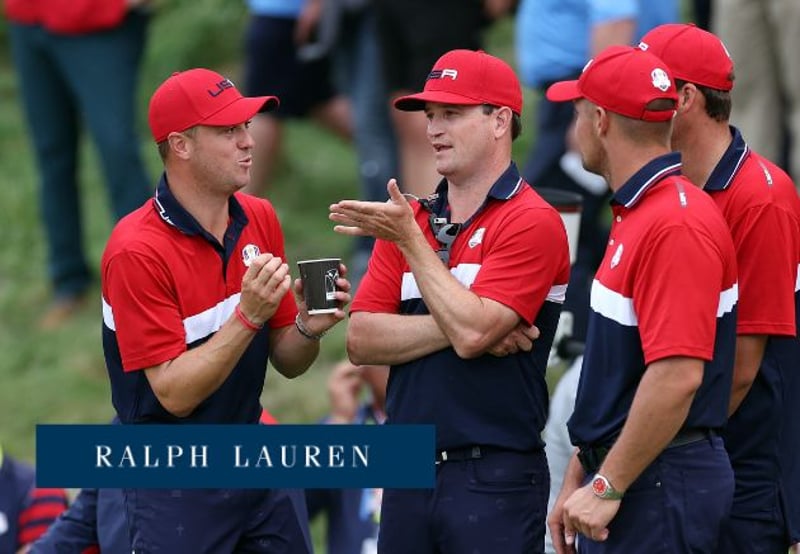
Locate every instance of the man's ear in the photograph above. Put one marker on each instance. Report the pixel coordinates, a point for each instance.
(180, 144)
(601, 120)
(502, 121)
(688, 96)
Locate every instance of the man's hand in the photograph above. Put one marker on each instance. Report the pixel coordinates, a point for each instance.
(319, 323)
(264, 285)
(561, 531)
(518, 339)
(392, 220)
(589, 515)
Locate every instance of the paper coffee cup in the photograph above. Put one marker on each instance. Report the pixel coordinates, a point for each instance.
(319, 284)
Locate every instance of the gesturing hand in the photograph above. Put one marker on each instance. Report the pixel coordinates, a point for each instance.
(392, 220)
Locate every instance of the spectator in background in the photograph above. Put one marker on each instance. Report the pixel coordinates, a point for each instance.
(25, 511)
(554, 40)
(93, 523)
(275, 33)
(352, 514)
(78, 63)
(761, 206)
(763, 36)
(413, 34)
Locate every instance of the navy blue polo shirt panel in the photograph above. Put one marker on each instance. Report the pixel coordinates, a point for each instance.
(502, 402)
(728, 166)
(784, 356)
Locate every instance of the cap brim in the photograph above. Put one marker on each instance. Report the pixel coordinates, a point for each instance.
(241, 110)
(563, 91)
(416, 102)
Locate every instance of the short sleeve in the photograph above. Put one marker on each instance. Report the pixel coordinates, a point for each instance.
(676, 294)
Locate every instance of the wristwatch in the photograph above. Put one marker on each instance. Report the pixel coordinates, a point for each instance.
(602, 488)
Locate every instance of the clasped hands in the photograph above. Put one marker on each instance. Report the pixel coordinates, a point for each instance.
(266, 282)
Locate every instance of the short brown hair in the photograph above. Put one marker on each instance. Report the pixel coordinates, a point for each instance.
(718, 102)
(516, 120)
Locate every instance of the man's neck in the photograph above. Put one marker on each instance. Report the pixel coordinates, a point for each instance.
(466, 194)
(210, 210)
(628, 160)
(702, 148)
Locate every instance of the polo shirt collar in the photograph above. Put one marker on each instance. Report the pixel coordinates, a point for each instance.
(730, 163)
(652, 172)
(508, 185)
(172, 213)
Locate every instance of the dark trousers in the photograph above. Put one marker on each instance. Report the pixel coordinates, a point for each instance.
(213, 521)
(66, 81)
(676, 506)
(764, 534)
(494, 504)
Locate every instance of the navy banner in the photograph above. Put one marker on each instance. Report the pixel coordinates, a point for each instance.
(235, 456)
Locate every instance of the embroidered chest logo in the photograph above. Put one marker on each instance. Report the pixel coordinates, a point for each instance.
(476, 238)
(249, 253)
(616, 257)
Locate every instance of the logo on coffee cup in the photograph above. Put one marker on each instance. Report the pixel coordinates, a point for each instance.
(330, 283)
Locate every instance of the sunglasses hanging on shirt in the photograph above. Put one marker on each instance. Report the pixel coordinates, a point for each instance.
(444, 231)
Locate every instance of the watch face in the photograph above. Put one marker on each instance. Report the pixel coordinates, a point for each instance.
(599, 486)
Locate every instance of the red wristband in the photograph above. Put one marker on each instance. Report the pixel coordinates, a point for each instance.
(246, 322)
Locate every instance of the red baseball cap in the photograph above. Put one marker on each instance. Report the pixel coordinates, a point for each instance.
(201, 97)
(468, 78)
(693, 55)
(623, 80)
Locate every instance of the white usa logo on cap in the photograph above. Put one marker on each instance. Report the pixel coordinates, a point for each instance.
(660, 79)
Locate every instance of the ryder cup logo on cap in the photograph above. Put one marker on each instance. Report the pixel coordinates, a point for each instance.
(467, 78)
(692, 54)
(623, 80)
(201, 97)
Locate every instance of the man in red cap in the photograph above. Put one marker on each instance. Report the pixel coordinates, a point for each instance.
(760, 203)
(196, 301)
(651, 474)
(455, 285)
